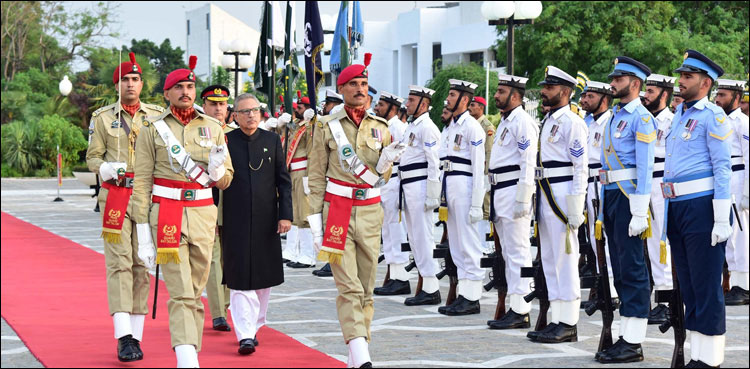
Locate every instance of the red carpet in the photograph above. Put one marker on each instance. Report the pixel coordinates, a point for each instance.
(54, 297)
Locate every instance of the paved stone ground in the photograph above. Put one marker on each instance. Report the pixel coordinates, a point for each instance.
(304, 308)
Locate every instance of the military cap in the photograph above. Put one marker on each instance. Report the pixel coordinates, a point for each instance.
(372, 91)
(354, 71)
(332, 96)
(696, 62)
(660, 80)
(627, 66)
(391, 98)
(479, 100)
(215, 93)
(126, 68)
(730, 84)
(554, 76)
(459, 85)
(598, 87)
(421, 91)
(182, 74)
(512, 81)
(676, 91)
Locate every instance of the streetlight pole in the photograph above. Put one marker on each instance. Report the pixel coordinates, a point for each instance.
(511, 14)
(65, 88)
(236, 59)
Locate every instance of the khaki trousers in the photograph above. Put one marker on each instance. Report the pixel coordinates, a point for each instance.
(300, 205)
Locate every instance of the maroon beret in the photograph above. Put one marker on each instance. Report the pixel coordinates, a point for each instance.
(126, 68)
(181, 75)
(354, 71)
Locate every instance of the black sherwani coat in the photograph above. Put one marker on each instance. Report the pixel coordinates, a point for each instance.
(259, 196)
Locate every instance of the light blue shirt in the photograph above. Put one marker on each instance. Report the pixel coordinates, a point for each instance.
(629, 141)
(701, 152)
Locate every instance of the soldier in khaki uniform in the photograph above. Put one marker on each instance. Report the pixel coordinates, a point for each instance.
(215, 105)
(476, 109)
(111, 154)
(300, 140)
(350, 160)
(180, 155)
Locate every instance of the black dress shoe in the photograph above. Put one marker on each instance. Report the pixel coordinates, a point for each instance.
(394, 287)
(325, 271)
(533, 335)
(297, 265)
(511, 320)
(443, 309)
(137, 346)
(255, 342)
(366, 365)
(424, 298)
(462, 306)
(247, 346)
(561, 333)
(220, 324)
(623, 352)
(658, 315)
(737, 296)
(599, 353)
(698, 364)
(126, 350)
(285, 260)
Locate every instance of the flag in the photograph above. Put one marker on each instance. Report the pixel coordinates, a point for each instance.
(340, 47)
(358, 29)
(291, 68)
(268, 47)
(313, 47)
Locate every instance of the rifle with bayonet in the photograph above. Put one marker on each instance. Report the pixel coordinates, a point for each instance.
(676, 318)
(406, 247)
(497, 276)
(603, 301)
(442, 251)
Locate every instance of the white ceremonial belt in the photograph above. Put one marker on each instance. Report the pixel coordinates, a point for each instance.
(659, 167)
(593, 172)
(496, 178)
(298, 165)
(449, 166)
(737, 160)
(542, 173)
(182, 194)
(611, 176)
(671, 190)
(352, 192)
(407, 174)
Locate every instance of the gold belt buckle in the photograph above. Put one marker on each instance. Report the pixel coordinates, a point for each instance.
(667, 190)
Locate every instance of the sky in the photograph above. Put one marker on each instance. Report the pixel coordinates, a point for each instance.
(158, 20)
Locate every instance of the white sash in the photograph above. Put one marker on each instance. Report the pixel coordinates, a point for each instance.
(347, 154)
(178, 153)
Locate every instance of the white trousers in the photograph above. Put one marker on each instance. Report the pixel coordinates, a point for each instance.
(514, 239)
(738, 253)
(420, 227)
(289, 249)
(463, 238)
(393, 234)
(305, 248)
(560, 268)
(662, 273)
(483, 229)
(248, 311)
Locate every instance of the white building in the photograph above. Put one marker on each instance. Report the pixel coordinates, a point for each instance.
(205, 27)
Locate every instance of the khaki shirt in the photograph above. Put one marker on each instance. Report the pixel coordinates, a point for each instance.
(104, 137)
(489, 130)
(153, 159)
(323, 158)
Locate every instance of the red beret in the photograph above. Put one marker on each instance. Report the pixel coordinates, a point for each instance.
(126, 68)
(354, 71)
(305, 100)
(480, 100)
(181, 75)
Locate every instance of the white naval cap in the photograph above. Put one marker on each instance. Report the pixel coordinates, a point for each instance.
(391, 98)
(333, 96)
(676, 91)
(730, 84)
(598, 87)
(459, 85)
(660, 80)
(421, 91)
(642, 94)
(512, 81)
(555, 76)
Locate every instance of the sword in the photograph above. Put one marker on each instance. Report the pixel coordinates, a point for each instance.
(156, 292)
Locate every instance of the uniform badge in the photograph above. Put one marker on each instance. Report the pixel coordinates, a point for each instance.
(457, 143)
(175, 149)
(502, 135)
(116, 124)
(376, 134)
(577, 149)
(347, 151)
(553, 132)
(689, 126)
(620, 127)
(659, 136)
(523, 143)
(205, 134)
(597, 138)
(411, 139)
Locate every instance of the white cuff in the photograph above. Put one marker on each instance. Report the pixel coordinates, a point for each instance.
(216, 173)
(575, 204)
(477, 198)
(524, 192)
(639, 205)
(316, 224)
(433, 189)
(635, 330)
(144, 234)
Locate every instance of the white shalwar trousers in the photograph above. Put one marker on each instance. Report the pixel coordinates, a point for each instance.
(393, 233)
(419, 225)
(463, 238)
(248, 311)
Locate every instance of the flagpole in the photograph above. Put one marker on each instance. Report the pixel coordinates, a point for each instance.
(287, 78)
(271, 59)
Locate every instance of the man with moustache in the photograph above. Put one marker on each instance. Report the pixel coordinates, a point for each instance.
(728, 97)
(111, 153)
(476, 109)
(658, 91)
(561, 176)
(511, 177)
(180, 155)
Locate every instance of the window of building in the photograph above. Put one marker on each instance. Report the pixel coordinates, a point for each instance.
(437, 58)
(477, 58)
(188, 27)
(327, 79)
(208, 21)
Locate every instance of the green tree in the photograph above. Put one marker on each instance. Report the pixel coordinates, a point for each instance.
(466, 72)
(164, 58)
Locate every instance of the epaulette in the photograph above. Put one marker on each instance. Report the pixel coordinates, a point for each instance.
(379, 119)
(155, 107)
(103, 108)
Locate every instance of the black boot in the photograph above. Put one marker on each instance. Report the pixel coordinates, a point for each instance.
(737, 296)
(325, 271)
(394, 287)
(510, 320)
(533, 335)
(658, 315)
(424, 298)
(246, 346)
(561, 333)
(220, 324)
(698, 364)
(126, 350)
(621, 352)
(366, 365)
(599, 353)
(462, 306)
(298, 265)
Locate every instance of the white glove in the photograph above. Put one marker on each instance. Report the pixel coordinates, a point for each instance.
(744, 206)
(284, 119)
(316, 228)
(308, 115)
(722, 229)
(146, 251)
(477, 200)
(575, 210)
(305, 186)
(639, 212)
(390, 154)
(432, 201)
(522, 206)
(216, 159)
(272, 122)
(108, 170)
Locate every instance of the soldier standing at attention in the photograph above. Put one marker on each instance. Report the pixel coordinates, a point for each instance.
(111, 153)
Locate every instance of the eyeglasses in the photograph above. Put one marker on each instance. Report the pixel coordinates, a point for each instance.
(248, 112)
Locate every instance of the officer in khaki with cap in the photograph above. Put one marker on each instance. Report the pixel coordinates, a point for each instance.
(215, 106)
(111, 154)
(180, 155)
(350, 160)
(476, 109)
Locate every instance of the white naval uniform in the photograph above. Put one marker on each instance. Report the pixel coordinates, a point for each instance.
(463, 140)
(567, 145)
(512, 160)
(392, 231)
(738, 254)
(290, 249)
(662, 273)
(423, 148)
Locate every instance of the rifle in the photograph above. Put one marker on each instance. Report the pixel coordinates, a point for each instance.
(406, 247)
(443, 251)
(603, 301)
(156, 292)
(497, 276)
(676, 318)
(725, 278)
(536, 271)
